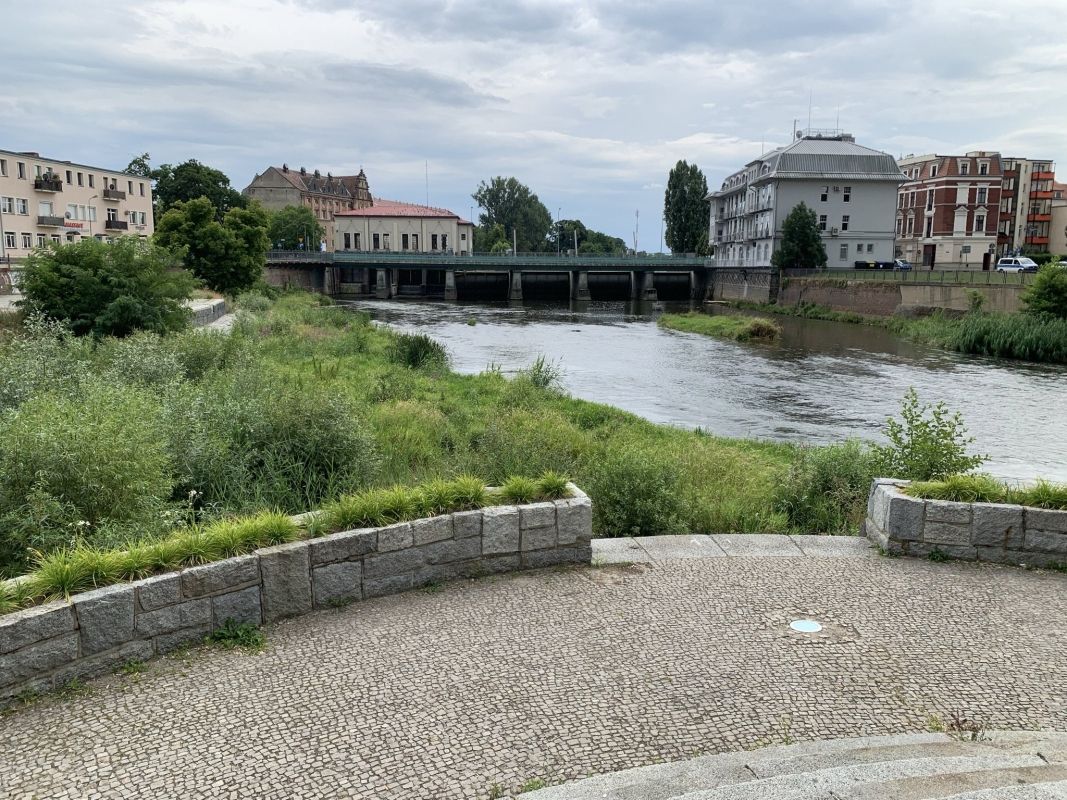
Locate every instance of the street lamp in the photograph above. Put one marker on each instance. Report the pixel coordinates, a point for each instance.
(559, 232)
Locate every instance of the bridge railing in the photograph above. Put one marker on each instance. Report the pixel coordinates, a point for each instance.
(947, 276)
(498, 261)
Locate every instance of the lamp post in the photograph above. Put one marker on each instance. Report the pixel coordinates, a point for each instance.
(3, 236)
(559, 232)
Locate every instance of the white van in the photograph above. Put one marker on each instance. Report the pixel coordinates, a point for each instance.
(1017, 264)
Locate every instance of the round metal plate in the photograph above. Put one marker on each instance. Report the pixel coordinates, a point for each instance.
(805, 626)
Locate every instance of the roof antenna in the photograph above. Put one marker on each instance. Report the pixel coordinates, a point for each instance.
(811, 92)
(427, 181)
(838, 124)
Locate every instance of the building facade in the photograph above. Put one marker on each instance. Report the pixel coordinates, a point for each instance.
(45, 200)
(278, 187)
(392, 226)
(1026, 205)
(851, 188)
(1057, 237)
(948, 210)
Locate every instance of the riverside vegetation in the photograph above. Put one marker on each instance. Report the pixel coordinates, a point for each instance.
(738, 328)
(126, 446)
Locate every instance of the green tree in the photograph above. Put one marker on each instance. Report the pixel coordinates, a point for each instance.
(491, 239)
(801, 246)
(590, 242)
(928, 443)
(140, 165)
(295, 226)
(1047, 295)
(229, 255)
(190, 180)
(108, 289)
(686, 210)
(508, 203)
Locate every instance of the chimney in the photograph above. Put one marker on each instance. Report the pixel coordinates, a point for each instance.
(303, 171)
(285, 167)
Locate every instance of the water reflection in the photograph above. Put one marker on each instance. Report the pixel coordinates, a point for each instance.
(823, 381)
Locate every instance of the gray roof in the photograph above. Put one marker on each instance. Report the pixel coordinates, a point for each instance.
(829, 158)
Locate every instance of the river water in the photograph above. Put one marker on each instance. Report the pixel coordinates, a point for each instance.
(822, 382)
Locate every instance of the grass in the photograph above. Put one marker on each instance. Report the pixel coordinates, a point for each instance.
(233, 635)
(737, 328)
(985, 489)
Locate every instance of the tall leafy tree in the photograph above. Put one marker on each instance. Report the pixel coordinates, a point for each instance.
(802, 246)
(508, 203)
(685, 208)
(227, 255)
(294, 227)
(108, 289)
(191, 180)
(590, 242)
(140, 165)
(1047, 295)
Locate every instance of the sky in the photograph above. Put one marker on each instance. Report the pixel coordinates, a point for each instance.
(588, 102)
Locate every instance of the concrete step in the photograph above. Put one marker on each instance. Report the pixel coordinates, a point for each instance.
(911, 767)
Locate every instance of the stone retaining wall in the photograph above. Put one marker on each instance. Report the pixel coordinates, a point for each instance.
(47, 646)
(206, 312)
(1007, 534)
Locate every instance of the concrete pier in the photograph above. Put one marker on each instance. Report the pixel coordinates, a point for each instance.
(450, 284)
(580, 285)
(516, 285)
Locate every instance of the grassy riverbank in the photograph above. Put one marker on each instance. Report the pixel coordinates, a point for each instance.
(737, 328)
(125, 441)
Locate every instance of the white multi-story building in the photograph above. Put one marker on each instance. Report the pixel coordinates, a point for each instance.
(851, 188)
(44, 200)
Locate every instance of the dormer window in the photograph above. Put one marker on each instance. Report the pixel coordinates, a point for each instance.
(933, 170)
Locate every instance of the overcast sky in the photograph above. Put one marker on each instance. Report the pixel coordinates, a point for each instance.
(589, 103)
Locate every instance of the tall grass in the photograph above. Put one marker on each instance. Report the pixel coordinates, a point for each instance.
(986, 489)
(738, 328)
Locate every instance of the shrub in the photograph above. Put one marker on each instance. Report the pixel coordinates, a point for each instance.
(929, 443)
(108, 289)
(524, 441)
(417, 350)
(42, 357)
(552, 486)
(518, 489)
(826, 488)
(252, 301)
(141, 359)
(986, 489)
(635, 493)
(737, 327)
(1047, 295)
(544, 374)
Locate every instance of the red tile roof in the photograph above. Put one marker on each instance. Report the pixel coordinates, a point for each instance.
(394, 208)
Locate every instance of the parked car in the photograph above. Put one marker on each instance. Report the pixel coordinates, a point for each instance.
(885, 265)
(1016, 264)
(902, 265)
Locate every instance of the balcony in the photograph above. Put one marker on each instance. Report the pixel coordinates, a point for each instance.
(1043, 176)
(1039, 218)
(48, 183)
(116, 225)
(113, 194)
(1041, 195)
(47, 221)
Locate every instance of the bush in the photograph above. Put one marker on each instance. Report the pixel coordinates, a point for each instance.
(108, 289)
(252, 301)
(1047, 295)
(417, 350)
(42, 357)
(826, 488)
(524, 441)
(927, 444)
(728, 326)
(635, 492)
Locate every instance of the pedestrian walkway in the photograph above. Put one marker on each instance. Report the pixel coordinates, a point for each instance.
(682, 648)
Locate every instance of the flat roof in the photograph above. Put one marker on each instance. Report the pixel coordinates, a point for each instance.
(32, 155)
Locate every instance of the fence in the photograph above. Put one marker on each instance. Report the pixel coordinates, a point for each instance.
(956, 276)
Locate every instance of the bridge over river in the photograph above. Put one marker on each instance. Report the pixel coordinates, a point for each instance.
(386, 274)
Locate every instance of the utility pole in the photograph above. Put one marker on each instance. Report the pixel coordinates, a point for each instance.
(575, 241)
(559, 232)
(637, 227)
(514, 242)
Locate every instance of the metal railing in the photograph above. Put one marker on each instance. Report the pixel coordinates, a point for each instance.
(49, 221)
(116, 225)
(114, 194)
(500, 261)
(951, 276)
(48, 184)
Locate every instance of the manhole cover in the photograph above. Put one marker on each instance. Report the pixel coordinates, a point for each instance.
(805, 626)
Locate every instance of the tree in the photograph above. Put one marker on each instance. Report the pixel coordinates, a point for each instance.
(801, 246)
(686, 210)
(590, 242)
(190, 180)
(229, 255)
(295, 227)
(112, 289)
(140, 165)
(1047, 295)
(511, 204)
(491, 239)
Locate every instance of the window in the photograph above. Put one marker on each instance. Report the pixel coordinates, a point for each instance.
(843, 255)
(414, 241)
(129, 187)
(900, 225)
(44, 208)
(983, 167)
(433, 241)
(140, 188)
(9, 239)
(870, 247)
(822, 222)
(27, 241)
(56, 237)
(823, 196)
(983, 193)
(444, 241)
(930, 200)
(844, 222)
(385, 241)
(847, 192)
(92, 213)
(72, 211)
(979, 222)
(112, 214)
(355, 240)
(859, 247)
(37, 170)
(901, 199)
(70, 177)
(81, 179)
(929, 227)
(92, 181)
(41, 240)
(348, 241)
(3, 167)
(911, 225)
(965, 168)
(377, 240)
(463, 237)
(404, 241)
(7, 205)
(22, 170)
(933, 170)
(22, 206)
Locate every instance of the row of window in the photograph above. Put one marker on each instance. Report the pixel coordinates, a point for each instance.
(907, 199)
(844, 222)
(380, 241)
(12, 241)
(963, 166)
(846, 193)
(843, 251)
(72, 177)
(46, 208)
(909, 230)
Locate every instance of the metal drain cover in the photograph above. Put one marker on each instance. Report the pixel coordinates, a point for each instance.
(805, 626)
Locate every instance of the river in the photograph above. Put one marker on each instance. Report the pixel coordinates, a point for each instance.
(822, 382)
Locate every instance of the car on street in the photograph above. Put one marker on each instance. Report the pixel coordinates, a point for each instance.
(1016, 264)
(902, 265)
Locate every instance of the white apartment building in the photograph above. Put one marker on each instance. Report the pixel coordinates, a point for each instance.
(392, 226)
(851, 188)
(45, 200)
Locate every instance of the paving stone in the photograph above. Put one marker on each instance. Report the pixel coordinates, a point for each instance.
(500, 530)
(220, 576)
(187, 614)
(243, 606)
(35, 660)
(538, 538)
(946, 511)
(286, 587)
(335, 583)
(621, 550)
(343, 546)
(574, 520)
(395, 537)
(672, 548)
(835, 546)
(904, 520)
(34, 624)
(946, 533)
(105, 617)
(1046, 520)
(158, 591)
(997, 525)
(745, 544)
(466, 524)
(434, 529)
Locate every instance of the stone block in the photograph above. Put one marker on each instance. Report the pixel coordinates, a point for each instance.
(946, 511)
(221, 576)
(496, 565)
(536, 559)
(997, 525)
(440, 573)
(343, 546)
(379, 587)
(500, 530)
(1043, 541)
(158, 591)
(189, 614)
(434, 529)
(30, 688)
(574, 519)
(243, 606)
(105, 617)
(924, 549)
(451, 551)
(537, 515)
(538, 538)
(878, 505)
(102, 663)
(172, 641)
(995, 555)
(39, 658)
(904, 519)
(398, 562)
(395, 537)
(466, 524)
(35, 624)
(946, 533)
(286, 571)
(1046, 520)
(335, 583)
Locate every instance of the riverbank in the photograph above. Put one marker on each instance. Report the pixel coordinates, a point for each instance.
(738, 329)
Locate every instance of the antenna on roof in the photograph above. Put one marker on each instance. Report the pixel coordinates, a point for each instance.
(811, 93)
(427, 181)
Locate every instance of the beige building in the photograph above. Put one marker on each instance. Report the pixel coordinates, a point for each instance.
(1057, 241)
(43, 200)
(392, 226)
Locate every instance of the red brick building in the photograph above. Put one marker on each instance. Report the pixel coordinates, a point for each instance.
(948, 210)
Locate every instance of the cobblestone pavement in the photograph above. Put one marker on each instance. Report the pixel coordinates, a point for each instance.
(558, 674)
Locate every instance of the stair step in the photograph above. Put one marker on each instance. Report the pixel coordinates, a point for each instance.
(938, 787)
(1039, 791)
(770, 766)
